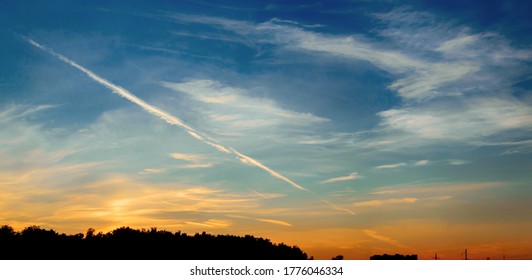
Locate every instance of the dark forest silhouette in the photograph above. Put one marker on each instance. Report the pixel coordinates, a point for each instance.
(34, 243)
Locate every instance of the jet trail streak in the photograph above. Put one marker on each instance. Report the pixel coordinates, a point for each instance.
(169, 118)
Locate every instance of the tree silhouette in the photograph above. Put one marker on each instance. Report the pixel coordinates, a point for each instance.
(127, 243)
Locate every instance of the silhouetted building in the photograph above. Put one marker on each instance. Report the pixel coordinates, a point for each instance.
(393, 257)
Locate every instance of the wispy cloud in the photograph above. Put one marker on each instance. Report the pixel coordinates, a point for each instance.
(379, 202)
(390, 166)
(270, 221)
(164, 115)
(18, 111)
(458, 162)
(422, 162)
(237, 109)
(211, 223)
(476, 70)
(276, 222)
(352, 176)
(187, 157)
(429, 59)
(149, 171)
(373, 234)
(474, 119)
(250, 161)
(435, 189)
(198, 165)
(460, 42)
(267, 195)
(111, 200)
(419, 77)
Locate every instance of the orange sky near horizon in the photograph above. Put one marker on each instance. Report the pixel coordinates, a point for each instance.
(317, 232)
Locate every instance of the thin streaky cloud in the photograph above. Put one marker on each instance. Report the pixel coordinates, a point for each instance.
(149, 171)
(259, 194)
(422, 162)
(198, 165)
(271, 221)
(338, 208)
(352, 176)
(266, 196)
(211, 223)
(458, 162)
(121, 91)
(373, 234)
(379, 202)
(251, 161)
(177, 122)
(390, 166)
(186, 157)
(276, 222)
(162, 114)
(15, 112)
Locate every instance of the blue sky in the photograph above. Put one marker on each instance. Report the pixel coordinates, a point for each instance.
(345, 127)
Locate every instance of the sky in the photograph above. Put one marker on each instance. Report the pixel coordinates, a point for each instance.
(347, 128)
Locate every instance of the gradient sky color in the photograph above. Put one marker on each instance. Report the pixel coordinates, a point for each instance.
(344, 127)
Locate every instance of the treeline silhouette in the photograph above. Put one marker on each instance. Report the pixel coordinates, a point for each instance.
(125, 243)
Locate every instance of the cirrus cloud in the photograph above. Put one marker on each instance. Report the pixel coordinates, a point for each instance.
(352, 176)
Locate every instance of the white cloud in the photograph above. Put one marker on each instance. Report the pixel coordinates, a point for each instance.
(390, 166)
(198, 165)
(428, 83)
(420, 75)
(422, 78)
(250, 161)
(149, 171)
(161, 114)
(433, 190)
(236, 109)
(352, 176)
(458, 162)
(187, 157)
(267, 195)
(237, 26)
(477, 118)
(428, 58)
(403, 16)
(197, 161)
(348, 47)
(383, 192)
(421, 162)
(18, 111)
(458, 43)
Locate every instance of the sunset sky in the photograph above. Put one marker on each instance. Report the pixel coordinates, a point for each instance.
(343, 127)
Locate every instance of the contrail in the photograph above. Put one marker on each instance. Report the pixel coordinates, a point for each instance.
(169, 118)
(252, 161)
